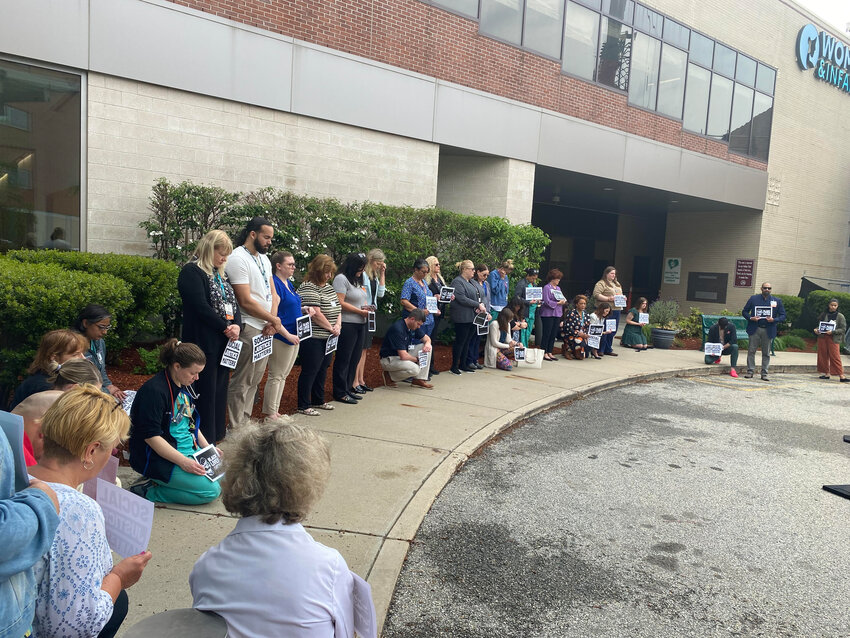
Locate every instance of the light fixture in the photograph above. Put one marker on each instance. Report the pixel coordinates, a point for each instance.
(608, 188)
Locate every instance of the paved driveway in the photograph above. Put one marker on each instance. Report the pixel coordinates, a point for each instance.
(686, 507)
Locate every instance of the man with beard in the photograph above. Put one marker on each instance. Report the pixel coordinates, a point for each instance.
(250, 273)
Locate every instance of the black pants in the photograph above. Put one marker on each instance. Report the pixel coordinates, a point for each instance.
(550, 331)
(460, 348)
(348, 350)
(211, 387)
(474, 347)
(437, 320)
(314, 369)
(119, 612)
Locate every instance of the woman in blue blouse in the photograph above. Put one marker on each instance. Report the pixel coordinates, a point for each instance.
(93, 322)
(415, 292)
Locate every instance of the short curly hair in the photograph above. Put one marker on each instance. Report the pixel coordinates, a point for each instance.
(276, 471)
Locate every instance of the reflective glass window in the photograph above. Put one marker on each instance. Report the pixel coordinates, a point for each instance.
(40, 113)
(671, 81)
(742, 118)
(765, 79)
(465, 7)
(675, 33)
(614, 53)
(746, 71)
(724, 60)
(623, 10)
(702, 49)
(544, 20)
(502, 19)
(696, 99)
(649, 21)
(593, 4)
(719, 107)
(762, 118)
(581, 41)
(643, 85)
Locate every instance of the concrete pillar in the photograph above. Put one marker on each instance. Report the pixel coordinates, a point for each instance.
(486, 185)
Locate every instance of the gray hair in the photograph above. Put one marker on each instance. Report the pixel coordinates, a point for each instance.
(276, 471)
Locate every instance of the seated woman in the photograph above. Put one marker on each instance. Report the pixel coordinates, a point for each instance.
(275, 474)
(575, 329)
(519, 323)
(500, 343)
(166, 432)
(56, 347)
(633, 336)
(93, 323)
(600, 315)
(80, 592)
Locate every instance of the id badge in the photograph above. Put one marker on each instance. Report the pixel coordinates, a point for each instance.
(228, 311)
(269, 297)
(773, 303)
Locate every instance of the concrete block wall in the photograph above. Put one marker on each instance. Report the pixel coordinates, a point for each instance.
(139, 132)
(491, 186)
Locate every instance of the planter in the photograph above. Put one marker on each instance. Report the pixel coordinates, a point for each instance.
(662, 338)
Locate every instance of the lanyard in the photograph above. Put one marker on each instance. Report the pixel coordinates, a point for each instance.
(221, 285)
(197, 427)
(260, 267)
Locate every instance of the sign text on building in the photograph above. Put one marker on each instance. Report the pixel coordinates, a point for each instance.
(827, 55)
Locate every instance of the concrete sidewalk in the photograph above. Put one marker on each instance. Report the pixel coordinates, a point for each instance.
(393, 453)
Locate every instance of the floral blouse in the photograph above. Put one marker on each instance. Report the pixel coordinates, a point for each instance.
(576, 322)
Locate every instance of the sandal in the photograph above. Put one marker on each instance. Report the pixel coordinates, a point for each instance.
(324, 406)
(308, 412)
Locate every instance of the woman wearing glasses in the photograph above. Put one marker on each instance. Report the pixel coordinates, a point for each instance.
(165, 431)
(467, 303)
(435, 282)
(93, 322)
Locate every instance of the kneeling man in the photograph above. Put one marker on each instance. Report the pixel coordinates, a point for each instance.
(725, 333)
(400, 351)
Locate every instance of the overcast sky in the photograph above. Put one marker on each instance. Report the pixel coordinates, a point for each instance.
(836, 12)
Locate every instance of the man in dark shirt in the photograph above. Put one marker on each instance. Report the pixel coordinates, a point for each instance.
(762, 313)
(400, 351)
(724, 333)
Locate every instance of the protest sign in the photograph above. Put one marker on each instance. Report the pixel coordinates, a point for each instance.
(482, 330)
(365, 620)
(480, 319)
(446, 294)
(534, 293)
(762, 312)
(423, 359)
(128, 518)
(230, 356)
(211, 460)
(826, 326)
(557, 294)
(108, 474)
(619, 301)
(610, 325)
(519, 353)
(127, 403)
(643, 318)
(714, 349)
(331, 344)
(303, 327)
(431, 304)
(594, 335)
(262, 347)
(370, 320)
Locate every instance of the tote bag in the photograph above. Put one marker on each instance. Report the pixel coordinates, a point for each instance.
(533, 359)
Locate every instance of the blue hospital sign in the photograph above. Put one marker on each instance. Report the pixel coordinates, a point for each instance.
(828, 56)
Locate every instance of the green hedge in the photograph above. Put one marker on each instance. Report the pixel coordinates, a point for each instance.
(817, 302)
(37, 298)
(152, 283)
(793, 307)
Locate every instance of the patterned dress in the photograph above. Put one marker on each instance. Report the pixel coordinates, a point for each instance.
(575, 323)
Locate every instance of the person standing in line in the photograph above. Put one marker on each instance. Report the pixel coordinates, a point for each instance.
(250, 273)
(286, 342)
(829, 343)
(211, 320)
(435, 282)
(551, 312)
(530, 306)
(348, 285)
(762, 313)
(466, 304)
(499, 286)
(375, 283)
(608, 289)
(479, 280)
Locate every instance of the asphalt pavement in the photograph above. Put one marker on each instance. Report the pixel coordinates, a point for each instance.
(681, 507)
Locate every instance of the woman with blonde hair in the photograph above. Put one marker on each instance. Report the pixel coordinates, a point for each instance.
(434, 280)
(210, 319)
(275, 474)
(608, 289)
(56, 347)
(468, 302)
(375, 283)
(80, 592)
(317, 292)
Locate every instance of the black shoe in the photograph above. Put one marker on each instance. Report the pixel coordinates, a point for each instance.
(356, 397)
(612, 354)
(749, 375)
(364, 388)
(478, 366)
(356, 390)
(844, 380)
(455, 371)
(764, 378)
(347, 399)
(433, 372)
(468, 369)
(141, 488)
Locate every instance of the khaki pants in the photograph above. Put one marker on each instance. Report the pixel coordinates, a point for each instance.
(245, 380)
(400, 370)
(280, 365)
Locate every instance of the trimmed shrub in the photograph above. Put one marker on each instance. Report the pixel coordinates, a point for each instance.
(793, 307)
(799, 332)
(663, 313)
(779, 344)
(152, 283)
(37, 298)
(690, 326)
(791, 341)
(817, 302)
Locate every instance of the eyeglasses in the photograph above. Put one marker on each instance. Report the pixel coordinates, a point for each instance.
(103, 328)
(766, 288)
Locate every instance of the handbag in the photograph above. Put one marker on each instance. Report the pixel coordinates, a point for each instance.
(533, 359)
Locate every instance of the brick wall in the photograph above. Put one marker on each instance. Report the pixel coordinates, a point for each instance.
(416, 36)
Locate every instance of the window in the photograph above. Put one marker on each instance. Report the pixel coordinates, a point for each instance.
(623, 10)
(40, 152)
(593, 4)
(675, 33)
(502, 19)
(702, 49)
(724, 60)
(643, 85)
(762, 118)
(719, 107)
(649, 21)
(544, 21)
(671, 82)
(742, 119)
(746, 71)
(765, 79)
(696, 99)
(581, 41)
(614, 54)
(464, 7)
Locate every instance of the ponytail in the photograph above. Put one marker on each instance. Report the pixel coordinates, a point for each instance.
(186, 354)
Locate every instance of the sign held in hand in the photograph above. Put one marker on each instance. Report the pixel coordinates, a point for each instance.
(128, 518)
(230, 356)
(262, 346)
(714, 349)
